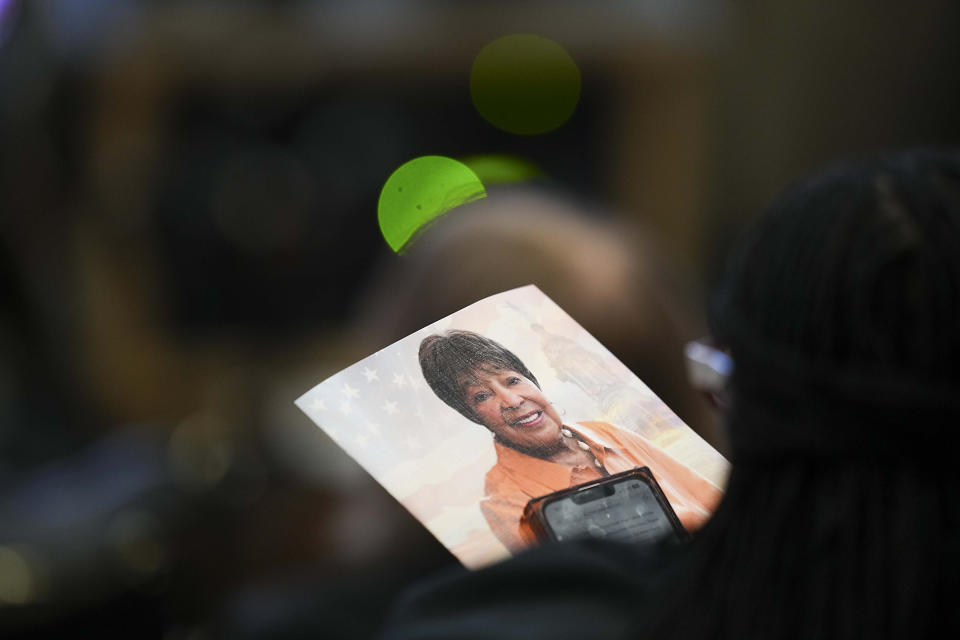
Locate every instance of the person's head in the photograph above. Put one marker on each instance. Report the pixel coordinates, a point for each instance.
(842, 305)
(841, 310)
(488, 384)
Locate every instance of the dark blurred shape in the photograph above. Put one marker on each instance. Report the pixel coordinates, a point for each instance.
(251, 210)
(9, 10)
(805, 84)
(335, 606)
(86, 530)
(273, 198)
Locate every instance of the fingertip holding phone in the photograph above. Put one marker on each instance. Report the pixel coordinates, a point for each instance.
(626, 507)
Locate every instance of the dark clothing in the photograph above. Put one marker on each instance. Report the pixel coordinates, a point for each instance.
(581, 590)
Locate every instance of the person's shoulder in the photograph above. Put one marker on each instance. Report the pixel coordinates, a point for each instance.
(505, 479)
(600, 426)
(496, 478)
(606, 433)
(571, 590)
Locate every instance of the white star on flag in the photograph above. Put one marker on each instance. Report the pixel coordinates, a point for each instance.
(373, 428)
(318, 405)
(389, 407)
(399, 380)
(361, 441)
(370, 374)
(415, 383)
(418, 413)
(349, 391)
(345, 408)
(413, 443)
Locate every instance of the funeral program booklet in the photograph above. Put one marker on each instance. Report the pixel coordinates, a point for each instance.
(506, 400)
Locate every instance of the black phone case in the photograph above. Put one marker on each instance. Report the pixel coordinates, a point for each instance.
(534, 512)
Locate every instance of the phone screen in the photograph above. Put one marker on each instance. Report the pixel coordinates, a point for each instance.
(624, 510)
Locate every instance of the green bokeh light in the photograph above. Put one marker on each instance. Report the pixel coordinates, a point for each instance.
(419, 191)
(497, 168)
(525, 84)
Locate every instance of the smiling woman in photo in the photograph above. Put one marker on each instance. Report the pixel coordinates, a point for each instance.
(537, 453)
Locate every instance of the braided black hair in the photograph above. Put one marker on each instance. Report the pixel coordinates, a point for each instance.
(841, 309)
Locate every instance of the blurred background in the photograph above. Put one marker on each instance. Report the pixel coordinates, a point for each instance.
(189, 241)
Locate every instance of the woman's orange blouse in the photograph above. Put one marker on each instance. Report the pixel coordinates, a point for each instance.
(517, 478)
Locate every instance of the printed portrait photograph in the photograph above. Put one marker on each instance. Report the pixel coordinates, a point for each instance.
(509, 399)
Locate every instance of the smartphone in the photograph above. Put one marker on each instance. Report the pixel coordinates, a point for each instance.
(625, 507)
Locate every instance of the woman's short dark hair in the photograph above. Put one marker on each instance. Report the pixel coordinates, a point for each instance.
(450, 360)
